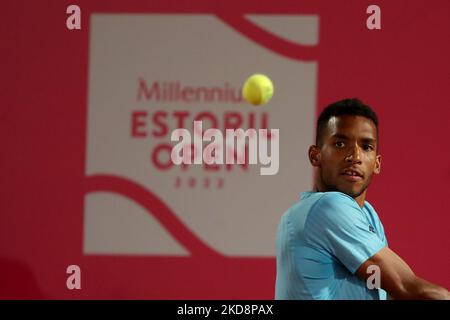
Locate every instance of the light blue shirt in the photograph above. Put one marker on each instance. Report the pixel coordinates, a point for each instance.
(321, 241)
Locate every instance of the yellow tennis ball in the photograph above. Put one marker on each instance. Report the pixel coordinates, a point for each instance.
(257, 89)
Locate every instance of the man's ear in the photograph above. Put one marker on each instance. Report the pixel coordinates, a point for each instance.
(314, 155)
(377, 165)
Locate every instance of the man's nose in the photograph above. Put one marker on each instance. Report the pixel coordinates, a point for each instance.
(354, 155)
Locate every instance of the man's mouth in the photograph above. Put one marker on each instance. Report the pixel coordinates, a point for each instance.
(352, 174)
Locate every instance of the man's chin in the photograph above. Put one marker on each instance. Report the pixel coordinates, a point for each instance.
(355, 193)
(352, 192)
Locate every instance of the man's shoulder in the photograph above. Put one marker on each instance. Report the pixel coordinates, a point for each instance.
(333, 199)
(332, 205)
(323, 205)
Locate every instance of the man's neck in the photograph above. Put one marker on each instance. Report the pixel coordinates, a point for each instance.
(361, 199)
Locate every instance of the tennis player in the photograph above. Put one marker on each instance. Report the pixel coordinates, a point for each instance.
(331, 244)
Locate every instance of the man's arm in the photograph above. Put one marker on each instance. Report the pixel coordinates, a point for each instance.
(399, 280)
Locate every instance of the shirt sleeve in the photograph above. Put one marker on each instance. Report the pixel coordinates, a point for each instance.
(337, 224)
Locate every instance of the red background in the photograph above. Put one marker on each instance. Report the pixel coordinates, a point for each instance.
(403, 71)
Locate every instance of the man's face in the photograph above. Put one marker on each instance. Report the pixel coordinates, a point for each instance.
(347, 157)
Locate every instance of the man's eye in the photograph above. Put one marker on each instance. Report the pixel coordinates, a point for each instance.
(368, 147)
(339, 144)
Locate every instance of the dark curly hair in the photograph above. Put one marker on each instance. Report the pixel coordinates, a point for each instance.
(346, 107)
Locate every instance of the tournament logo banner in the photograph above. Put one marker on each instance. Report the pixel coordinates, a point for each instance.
(150, 74)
